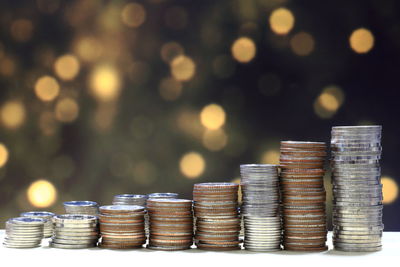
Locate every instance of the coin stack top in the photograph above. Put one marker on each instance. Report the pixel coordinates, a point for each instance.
(24, 232)
(162, 195)
(47, 216)
(81, 207)
(130, 199)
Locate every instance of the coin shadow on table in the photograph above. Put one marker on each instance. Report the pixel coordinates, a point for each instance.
(335, 252)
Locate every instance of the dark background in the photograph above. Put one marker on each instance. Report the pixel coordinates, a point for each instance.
(134, 142)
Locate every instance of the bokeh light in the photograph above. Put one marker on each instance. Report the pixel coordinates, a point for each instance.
(105, 83)
(192, 165)
(270, 157)
(13, 114)
(281, 21)
(170, 89)
(66, 110)
(88, 48)
(243, 49)
(22, 30)
(362, 40)
(3, 155)
(302, 44)
(171, 50)
(390, 190)
(183, 68)
(47, 88)
(212, 116)
(215, 140)
(42, 194)
(329, 101)
(66, 67)
(133, 15)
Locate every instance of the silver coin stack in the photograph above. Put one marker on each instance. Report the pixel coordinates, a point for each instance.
(260, 207)
(81, 207)
(24, 232)
(130, 199)
(162, 195)
(48, 225)
(357, 188)
(75, 231)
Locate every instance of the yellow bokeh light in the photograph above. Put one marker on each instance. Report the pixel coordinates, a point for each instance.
(66, 67)
(133, 15)
(270, 157)
(3, 155)
(21, 30)
(243, 49)
(329, 101)
(42, 194)
(390, 190)
(171, 50)
(183, 68)
(47, 88)
(170, 89)
(66, 110)
(361, 40)
(88, 48)
(281, 21)
(215, 140)
(192, 165)
(105, 83)
(302, 44)
(212, 116)
(13, 114)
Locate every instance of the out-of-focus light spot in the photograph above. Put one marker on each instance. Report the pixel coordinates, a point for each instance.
(390, 190)
(270, 157)
(176, 18)
(212, 116)
(269, 84)
(66, 110)
(223, 66)
(13, 114)
(171, 50)
(21, 30)
(243, 49)
(3, 155)
(361, 40)
(48, 6)
(47, 88)
(183, 68)
(302, 44)
(67, 67)
(47, 123)
(215, 140)
(329, 101)
(88, 48)
(133, 15)
(105, 83)
(237, 181)
(281, 21)
(7, 66)
(42, 194)
(192, 165)
(170, 89)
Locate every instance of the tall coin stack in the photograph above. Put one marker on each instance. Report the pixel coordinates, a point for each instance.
(130, 199)
(357, 188)
(81, 207)
(303, 195)
(24, 232)
(260, 207)
(48, 216)
(122, 226)
(171, 224)
(75, 231)
(216, 213)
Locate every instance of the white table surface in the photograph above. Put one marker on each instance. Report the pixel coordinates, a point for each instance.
(46, 256)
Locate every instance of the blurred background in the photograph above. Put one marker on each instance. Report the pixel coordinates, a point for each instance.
(99, 98)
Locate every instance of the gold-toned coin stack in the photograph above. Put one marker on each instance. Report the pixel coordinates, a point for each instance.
(122, 226)
(303, 195)
(216, 213)
(170, 224)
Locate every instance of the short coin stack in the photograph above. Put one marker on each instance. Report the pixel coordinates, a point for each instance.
(357, 189)
(81, 207)
(303, 195)
(48, 225)
(171, 224)
(261, 207)
(216, 213)
(24, 232)
(75, 231)
(122, 226)
(130, 199)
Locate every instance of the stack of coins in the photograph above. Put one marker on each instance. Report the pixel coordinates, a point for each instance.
(162, 195)
(261, 207)
(357, 188)
(81, 207)
(75, 231)
(217, 219)
(303, 195)
(24, 232)
(122, 226)
(130, 199)
(171, 224)
(48, 225)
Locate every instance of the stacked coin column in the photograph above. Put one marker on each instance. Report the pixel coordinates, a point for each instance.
(357, 188)
(216, 214)
(47, 216)
(24, 232)
(303, 195)
(130, 199)
(81, 207)
(171, 224)
(260, 207)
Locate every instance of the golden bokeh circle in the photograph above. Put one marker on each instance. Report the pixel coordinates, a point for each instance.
(67, 67)
(243, 49)
(281, 21)
(212, 116)
(3, 155)
(361, 40)
(390, 190)
(183, 68)
(41, 193)
(192, 165)
(47, 88)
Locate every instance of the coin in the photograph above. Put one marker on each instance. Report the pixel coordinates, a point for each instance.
(24, 232)
(130, 199)
(48, 225)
